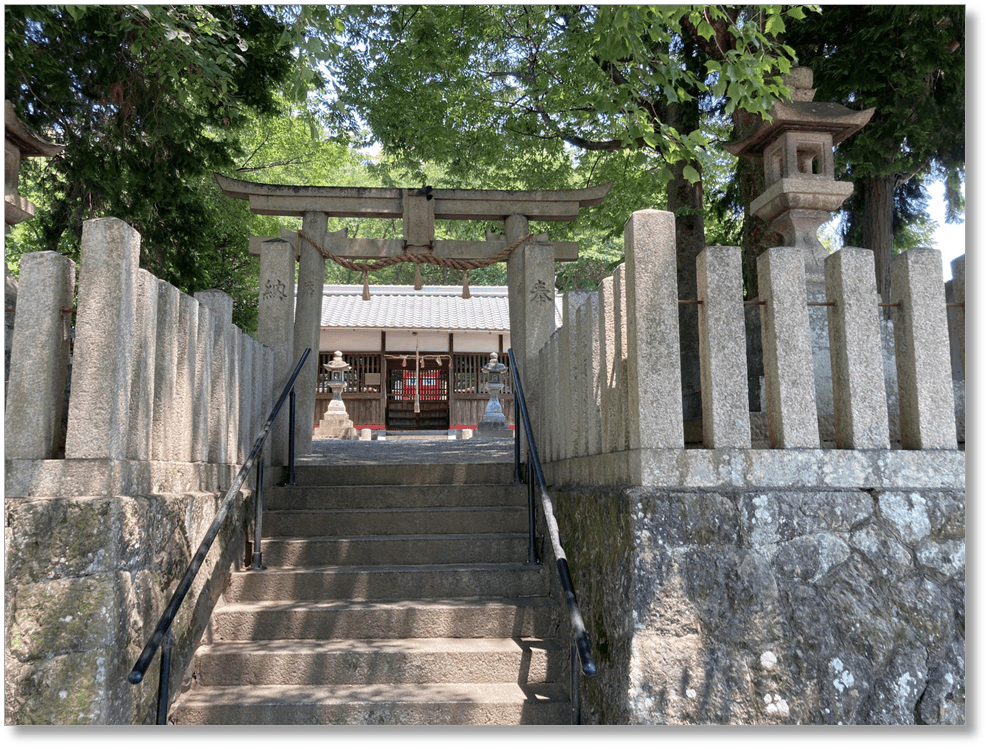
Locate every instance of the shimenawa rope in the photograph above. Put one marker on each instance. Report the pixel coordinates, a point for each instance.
(412, 257)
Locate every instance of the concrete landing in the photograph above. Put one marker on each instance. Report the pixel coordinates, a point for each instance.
(437, 450)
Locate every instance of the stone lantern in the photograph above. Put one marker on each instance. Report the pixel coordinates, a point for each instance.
(493, 419)
(796, 145)
(19, 141)
(336, 424)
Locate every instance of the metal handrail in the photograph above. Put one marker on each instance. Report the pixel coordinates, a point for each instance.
(165, 622)
(536, 477)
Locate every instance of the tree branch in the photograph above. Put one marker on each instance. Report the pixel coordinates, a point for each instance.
(272, 165)
(589, 145)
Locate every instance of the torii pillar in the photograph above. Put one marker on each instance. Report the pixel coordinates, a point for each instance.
(308, 308)
(531, 295)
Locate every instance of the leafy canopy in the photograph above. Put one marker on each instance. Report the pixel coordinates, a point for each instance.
(467, 85)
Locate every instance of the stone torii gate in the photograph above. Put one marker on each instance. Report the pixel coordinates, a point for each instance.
(531, 266)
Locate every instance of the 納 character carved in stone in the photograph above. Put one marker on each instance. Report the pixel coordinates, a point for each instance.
(272, 290)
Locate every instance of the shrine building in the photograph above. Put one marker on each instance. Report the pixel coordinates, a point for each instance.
(406, 347)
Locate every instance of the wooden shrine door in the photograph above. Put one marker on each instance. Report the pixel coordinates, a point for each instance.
(430, 387)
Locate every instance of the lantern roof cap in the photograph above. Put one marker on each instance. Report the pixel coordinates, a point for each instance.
(28, 142)
(801, 116)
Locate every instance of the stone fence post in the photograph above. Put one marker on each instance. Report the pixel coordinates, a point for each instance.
(222, 306)
(276, 316)
(554, 422)
(139, 443)
(923, 357)
(655, 400)
(232, 343)
(721, 318)
(39, 357)
(247, 381)
(861, 419)
(573, 412)
(205, 334)
(545, 378)
(588, 324)
(791, 407)
(166, 358)
(99, 407)
(182, 409)
(958, 297)
(606, 365)
(308, 308)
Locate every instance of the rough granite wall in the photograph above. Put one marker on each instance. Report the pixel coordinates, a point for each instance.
(762, 607)
(86, 580)
(11, 287)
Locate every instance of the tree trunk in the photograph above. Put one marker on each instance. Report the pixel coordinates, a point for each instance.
(756, 236)
(877, 226)
(686, 202)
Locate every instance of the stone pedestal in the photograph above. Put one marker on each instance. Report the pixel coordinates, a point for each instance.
(336, 424)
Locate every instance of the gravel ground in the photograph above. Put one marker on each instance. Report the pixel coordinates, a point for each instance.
(409, 451)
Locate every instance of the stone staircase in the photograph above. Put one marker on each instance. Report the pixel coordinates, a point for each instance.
(386, 602)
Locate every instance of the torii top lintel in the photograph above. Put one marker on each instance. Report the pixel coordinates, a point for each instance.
(385, 202)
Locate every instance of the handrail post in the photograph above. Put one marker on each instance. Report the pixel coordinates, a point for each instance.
(163, 675)
(258, 508)
(574, 684)
(517, 478)
(532, 514)
(291, 439)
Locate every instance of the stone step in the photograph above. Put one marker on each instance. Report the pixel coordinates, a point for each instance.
(388, 582)
(405, 661)
(392, 496)
(401, 475)
(320, 620)
(376, 704)
(383, 521)
(421, 549)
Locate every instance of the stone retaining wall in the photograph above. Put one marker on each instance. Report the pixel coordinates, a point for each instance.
(793, 606)
(86, 580)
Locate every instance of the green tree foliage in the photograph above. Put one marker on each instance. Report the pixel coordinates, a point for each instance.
(461, 84)
(149, 101)
(559, 97)
(907, 61)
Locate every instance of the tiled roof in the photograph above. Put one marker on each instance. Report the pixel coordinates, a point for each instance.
(402, 307)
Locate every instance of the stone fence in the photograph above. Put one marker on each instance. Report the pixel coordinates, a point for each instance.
(107, 498)
(166, 393)
(803, 563)
(609, 378)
